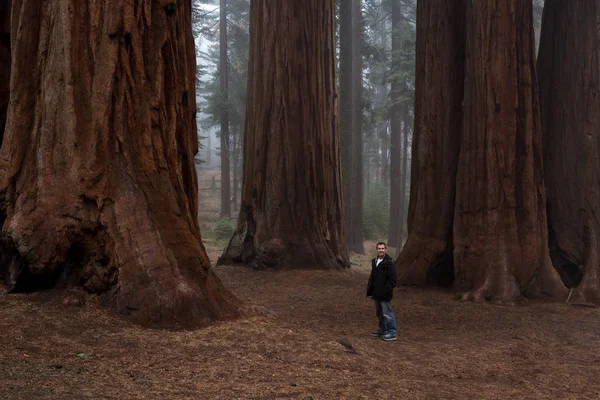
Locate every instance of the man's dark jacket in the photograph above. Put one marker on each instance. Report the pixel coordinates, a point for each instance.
(382, 280)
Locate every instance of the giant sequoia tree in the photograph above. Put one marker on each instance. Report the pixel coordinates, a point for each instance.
(97, 178)
(291, 212)
(438, 97)
(569, 76)
(485, 220)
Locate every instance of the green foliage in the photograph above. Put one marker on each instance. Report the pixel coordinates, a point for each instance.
(223, 229)
(381, 68)
(213, 103)
(376, 211)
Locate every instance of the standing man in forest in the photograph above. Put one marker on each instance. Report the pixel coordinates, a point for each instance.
(382, 282)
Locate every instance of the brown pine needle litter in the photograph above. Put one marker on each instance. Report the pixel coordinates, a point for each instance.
(446, 349)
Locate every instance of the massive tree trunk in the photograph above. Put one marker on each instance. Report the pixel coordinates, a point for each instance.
(438, 97)
(569, 76)
(395, 129)
(496, 230)
(4, 62)
(291, 212)
(223, 88)
(350, 123)
(500, 234)
(97, 178)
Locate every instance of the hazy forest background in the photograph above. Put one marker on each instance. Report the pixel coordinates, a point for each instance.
(161, 161)
(386, 42)
(383, 130)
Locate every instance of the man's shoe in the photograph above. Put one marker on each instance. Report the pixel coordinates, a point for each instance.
(389, 338)
(377, 334)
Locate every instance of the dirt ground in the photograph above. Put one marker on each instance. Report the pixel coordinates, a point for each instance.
(446, 349)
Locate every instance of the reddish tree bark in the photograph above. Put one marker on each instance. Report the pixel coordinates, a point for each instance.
(291, 213)
(500, 234)
(97, 177)
(438, 97)
(4, 62)
(495, 232)
(223, 87)
(569, 75)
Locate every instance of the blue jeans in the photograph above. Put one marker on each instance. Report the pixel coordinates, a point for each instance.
(387, 320)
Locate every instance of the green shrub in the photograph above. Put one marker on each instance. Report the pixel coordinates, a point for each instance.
(223, 229)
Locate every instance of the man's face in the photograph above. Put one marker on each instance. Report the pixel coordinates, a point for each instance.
(380, 250)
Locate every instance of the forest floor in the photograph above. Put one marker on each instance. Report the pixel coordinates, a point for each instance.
(446, 349)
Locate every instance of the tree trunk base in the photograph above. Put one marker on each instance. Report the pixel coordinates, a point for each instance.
(588, 291)
(278, 252)
(142, 287)
(425, 261)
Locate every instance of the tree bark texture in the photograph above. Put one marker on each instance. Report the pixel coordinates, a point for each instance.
(350, 123)
(500, 230)
(496, 230)
(4, 62)
(97, 178)
(437, 126)
(291, 212)
(395, 130)
(569, 76)
(223, 87)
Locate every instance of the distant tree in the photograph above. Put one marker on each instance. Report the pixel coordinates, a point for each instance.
(401, 97)
(351, 122)
(212, 103)
(223, 92)
(291, 213)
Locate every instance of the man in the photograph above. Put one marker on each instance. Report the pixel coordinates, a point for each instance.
(381, 288)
